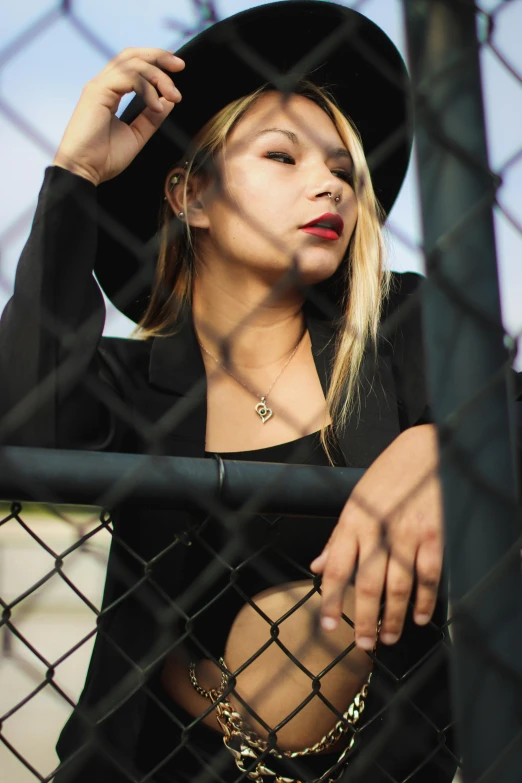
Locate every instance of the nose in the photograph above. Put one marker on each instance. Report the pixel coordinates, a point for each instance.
(334, 197)
(328, 187)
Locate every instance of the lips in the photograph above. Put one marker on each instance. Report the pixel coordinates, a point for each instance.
(325, 226)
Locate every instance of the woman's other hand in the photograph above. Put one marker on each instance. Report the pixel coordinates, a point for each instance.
(96, 144)
(392, 525)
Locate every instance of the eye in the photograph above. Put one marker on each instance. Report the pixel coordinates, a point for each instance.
(284, 157)
(347, 176)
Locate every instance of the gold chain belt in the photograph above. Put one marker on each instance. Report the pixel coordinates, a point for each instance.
(247, 742)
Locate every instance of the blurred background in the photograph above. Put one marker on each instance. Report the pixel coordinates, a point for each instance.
(48, 50)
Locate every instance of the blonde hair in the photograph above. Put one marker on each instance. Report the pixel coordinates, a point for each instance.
(365, 279)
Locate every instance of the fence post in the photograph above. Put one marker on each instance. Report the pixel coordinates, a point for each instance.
(470, 392)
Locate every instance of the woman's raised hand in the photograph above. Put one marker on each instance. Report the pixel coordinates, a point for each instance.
(96, 144)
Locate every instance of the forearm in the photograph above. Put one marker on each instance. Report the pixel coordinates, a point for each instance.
(50, 328)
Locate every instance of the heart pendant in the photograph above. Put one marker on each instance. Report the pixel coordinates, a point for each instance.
(263, 412)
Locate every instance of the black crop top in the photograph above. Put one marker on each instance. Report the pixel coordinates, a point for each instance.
(274, 549)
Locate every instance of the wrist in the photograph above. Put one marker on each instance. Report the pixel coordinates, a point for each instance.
(74, 168)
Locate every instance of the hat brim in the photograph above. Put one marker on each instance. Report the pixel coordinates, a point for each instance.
(332, 46)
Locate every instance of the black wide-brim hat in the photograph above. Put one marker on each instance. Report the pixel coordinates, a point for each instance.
(276, 43)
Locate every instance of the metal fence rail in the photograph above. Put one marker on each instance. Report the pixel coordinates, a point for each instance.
(56, 556)
(103, 479)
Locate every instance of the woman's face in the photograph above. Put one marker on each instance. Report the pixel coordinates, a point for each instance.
(279, 164)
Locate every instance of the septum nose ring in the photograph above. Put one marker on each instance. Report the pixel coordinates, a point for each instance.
(336, 199)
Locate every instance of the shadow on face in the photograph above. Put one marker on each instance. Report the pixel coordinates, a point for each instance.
(284, 166)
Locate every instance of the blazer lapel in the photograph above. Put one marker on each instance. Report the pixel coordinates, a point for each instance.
(176, 368)
(177, 373)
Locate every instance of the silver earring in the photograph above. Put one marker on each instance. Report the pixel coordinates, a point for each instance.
(181, 215)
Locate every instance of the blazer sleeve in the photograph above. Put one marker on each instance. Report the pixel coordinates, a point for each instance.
(53, 379)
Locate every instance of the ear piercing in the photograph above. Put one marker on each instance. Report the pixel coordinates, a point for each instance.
(172, 184)
(176, 178)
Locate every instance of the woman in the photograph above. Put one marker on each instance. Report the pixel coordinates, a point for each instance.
(260, 339)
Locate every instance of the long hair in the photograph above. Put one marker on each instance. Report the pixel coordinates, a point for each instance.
(365, 278)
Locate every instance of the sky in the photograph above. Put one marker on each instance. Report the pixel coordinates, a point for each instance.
(46, 57)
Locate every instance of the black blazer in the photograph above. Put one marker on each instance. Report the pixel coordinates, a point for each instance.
(66, 386)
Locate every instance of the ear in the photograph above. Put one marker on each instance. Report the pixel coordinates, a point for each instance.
(177, 188)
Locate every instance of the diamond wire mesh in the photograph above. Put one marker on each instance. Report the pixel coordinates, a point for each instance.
(145, 569)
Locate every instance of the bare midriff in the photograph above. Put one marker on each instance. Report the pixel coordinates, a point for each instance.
(273, 685)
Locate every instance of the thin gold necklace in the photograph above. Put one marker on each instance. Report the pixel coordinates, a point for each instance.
(262, 410)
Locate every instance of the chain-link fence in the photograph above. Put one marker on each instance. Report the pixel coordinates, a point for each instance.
(209, 555)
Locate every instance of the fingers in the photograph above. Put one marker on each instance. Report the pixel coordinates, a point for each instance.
(148, 122)
(388, 564)
(340, 557)
(399, 583)
(369, 584)
(429, 569)
(153, 81)
(145, 89)
(161, 57)
(141, 71)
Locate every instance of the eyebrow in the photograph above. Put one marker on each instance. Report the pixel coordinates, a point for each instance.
(334, 152)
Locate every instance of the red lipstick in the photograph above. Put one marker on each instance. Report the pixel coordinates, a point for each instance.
(327, 226)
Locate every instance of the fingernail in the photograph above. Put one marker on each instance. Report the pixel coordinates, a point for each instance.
(328, 623)
(422, 619)
(389, 638)
(365, 642)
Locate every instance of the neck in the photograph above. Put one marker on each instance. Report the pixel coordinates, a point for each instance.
(260, 331)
